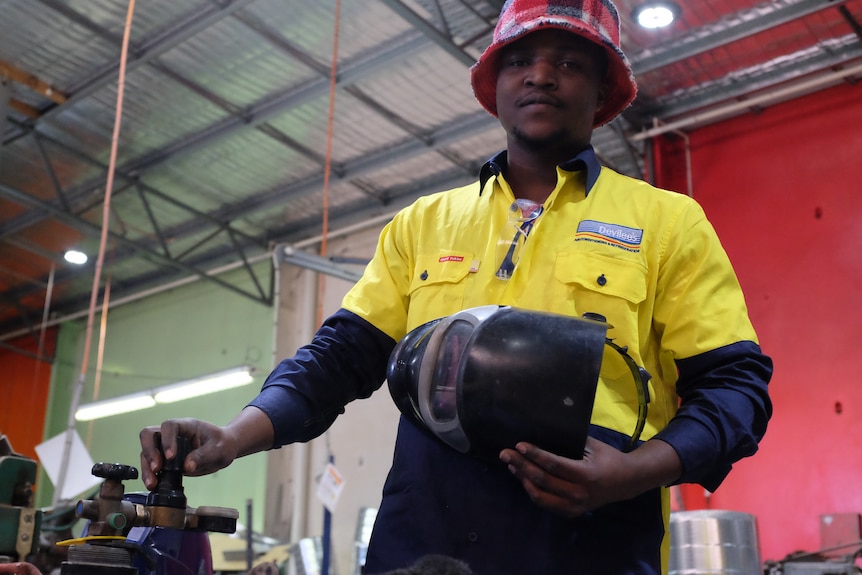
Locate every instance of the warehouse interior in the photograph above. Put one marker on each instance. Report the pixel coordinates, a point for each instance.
(253, 151)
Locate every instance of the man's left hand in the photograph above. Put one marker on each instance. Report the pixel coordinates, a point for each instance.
(571, 487)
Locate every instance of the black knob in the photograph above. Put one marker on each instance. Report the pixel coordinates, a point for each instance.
(169, 489)
(176, 462)
(115, 471)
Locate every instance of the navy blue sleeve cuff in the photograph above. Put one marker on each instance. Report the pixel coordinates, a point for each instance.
(291, 415)
(724, 410)
(692, 442)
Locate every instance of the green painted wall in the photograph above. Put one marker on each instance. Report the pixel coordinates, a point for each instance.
(179, 334)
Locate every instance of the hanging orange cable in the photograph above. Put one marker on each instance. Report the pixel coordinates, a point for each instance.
(333, 80)
(97, 274)
(109, 186)
(100, 354)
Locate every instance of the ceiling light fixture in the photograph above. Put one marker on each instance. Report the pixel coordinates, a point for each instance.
(187, 389)
(116, 406)
(75, 257)
(654, 15)
(203, 385)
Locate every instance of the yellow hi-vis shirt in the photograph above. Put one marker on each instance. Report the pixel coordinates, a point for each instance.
(644, 258)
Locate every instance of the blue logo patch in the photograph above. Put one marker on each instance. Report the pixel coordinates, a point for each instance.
(615, 235)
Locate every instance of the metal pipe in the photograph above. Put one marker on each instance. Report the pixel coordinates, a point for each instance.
(249, 539)
(5, 99)
(301, 472)
(722, 112)
(291, 255)
(326, 539)
(689, 177)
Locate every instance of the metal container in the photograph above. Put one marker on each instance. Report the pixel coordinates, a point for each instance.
(713, 542)
(819, 568)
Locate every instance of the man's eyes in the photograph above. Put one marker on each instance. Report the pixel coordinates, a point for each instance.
(517, 62)
(566, 63)
(572, 64)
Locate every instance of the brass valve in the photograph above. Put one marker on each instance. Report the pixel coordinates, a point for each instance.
(166, 505)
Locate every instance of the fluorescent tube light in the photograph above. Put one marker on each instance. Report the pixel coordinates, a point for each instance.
(204, 385)
(116, 406)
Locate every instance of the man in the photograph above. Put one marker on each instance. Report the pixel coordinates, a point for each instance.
(590, 240)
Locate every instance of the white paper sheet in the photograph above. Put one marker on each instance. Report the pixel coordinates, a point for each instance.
(79, 477)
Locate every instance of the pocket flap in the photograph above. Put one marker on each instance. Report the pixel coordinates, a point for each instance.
(602, 274)
(443, 267)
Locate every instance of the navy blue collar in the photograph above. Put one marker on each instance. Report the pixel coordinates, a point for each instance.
(586, 160)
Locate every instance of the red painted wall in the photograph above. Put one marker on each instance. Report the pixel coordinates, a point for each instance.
(783, 189)
(24, 383)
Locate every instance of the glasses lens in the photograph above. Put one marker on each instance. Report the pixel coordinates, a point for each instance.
(509, 252)
(522, 214)
(524, 210)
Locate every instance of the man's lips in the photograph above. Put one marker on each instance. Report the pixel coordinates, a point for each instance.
(537, 99)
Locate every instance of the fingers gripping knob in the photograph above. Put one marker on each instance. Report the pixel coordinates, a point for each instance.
(167, 502)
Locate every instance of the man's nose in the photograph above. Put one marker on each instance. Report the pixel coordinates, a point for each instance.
(540, 72)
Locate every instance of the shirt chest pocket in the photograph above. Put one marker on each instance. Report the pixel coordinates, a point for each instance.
(438, 285)
(603, 276)
(610, 287)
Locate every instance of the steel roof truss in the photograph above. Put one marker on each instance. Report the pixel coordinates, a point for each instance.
(58, 189)
(92, 229)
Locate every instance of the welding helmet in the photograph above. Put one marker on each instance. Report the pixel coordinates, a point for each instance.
(489, 377)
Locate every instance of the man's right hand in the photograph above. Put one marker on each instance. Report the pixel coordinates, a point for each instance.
(212, 447)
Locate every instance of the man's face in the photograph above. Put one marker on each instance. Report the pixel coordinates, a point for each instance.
(549, 85)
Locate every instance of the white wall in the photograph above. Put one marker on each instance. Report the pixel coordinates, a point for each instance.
(360, 441)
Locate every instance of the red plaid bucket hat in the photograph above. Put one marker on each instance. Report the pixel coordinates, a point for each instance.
(595, 20)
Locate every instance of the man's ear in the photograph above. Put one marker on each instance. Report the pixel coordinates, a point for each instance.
(604, 90)
(602, 95)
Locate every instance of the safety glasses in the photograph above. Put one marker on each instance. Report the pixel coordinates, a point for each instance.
(522, 215)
